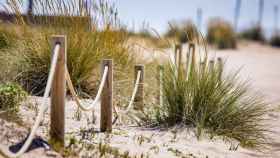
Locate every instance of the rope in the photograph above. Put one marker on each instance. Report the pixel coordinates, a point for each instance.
(76, 97)
(90, 107)
(42, 110)
(131, 100)
(134, 93)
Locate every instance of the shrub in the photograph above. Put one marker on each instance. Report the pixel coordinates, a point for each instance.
(221, 34)
(185, 32)
(11, 95)
(254, 33)
(275, 41)
(87, 45)
(213, 102)
(7, 37)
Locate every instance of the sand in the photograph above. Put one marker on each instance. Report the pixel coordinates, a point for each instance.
(260, 64)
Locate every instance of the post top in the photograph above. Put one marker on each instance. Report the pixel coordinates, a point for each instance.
(139, 65)
(107, 59)
(58, 36)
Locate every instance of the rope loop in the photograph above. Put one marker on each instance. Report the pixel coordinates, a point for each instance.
(42, 109)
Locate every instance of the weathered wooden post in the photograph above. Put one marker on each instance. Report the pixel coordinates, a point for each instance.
(160, 85)
(201, 67)
(211, 65)
(139, 98)
(190, 58)
(107, 98)
(29, 15)
(178, 55)
(221, 67)
(192, 50)
(58, 93)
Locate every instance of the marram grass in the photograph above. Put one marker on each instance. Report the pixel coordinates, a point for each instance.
(214, 103)
(88, 42)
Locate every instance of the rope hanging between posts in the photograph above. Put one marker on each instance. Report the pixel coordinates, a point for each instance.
(133, 93)
(75, 96)
(42, 109)
(130, 105)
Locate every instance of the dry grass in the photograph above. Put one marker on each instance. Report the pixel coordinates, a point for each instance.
(88, 43)
(221, 34)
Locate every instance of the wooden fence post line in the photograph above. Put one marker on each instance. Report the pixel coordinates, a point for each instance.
(58, 93)
(139, 98)
(160, 85)
(107, 98)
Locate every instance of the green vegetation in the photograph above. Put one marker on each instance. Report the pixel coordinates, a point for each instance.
(7, 38)
(183, 33)
(212, 102)
(88, 42)
(11, 95)
(221, 34)
(275, 41)
(254, 33)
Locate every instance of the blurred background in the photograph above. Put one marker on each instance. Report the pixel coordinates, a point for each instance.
(157, 13)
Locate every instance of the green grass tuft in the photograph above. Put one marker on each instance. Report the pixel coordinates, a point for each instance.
(212, 102)
(11, 95)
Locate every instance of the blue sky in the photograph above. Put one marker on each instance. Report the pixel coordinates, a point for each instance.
(158, 12)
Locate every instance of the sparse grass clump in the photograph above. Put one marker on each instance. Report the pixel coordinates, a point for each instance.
(212, 102)
(11, 95)
(221, 34)
(183, 33)
(254, 33)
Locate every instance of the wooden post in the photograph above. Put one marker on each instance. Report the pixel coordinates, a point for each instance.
(107, 98)
(211, 65)
(160, 85)
(29, 14)
(139, 98)
(201, 67)
(175, 55)
(58, 94)
(187, 60)
(192, 50)
(220, 66)
(190, 59)
(178, 55)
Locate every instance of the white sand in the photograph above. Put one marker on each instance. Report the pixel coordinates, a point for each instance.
(260, 64)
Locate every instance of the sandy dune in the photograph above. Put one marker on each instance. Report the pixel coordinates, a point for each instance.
(260, 64)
